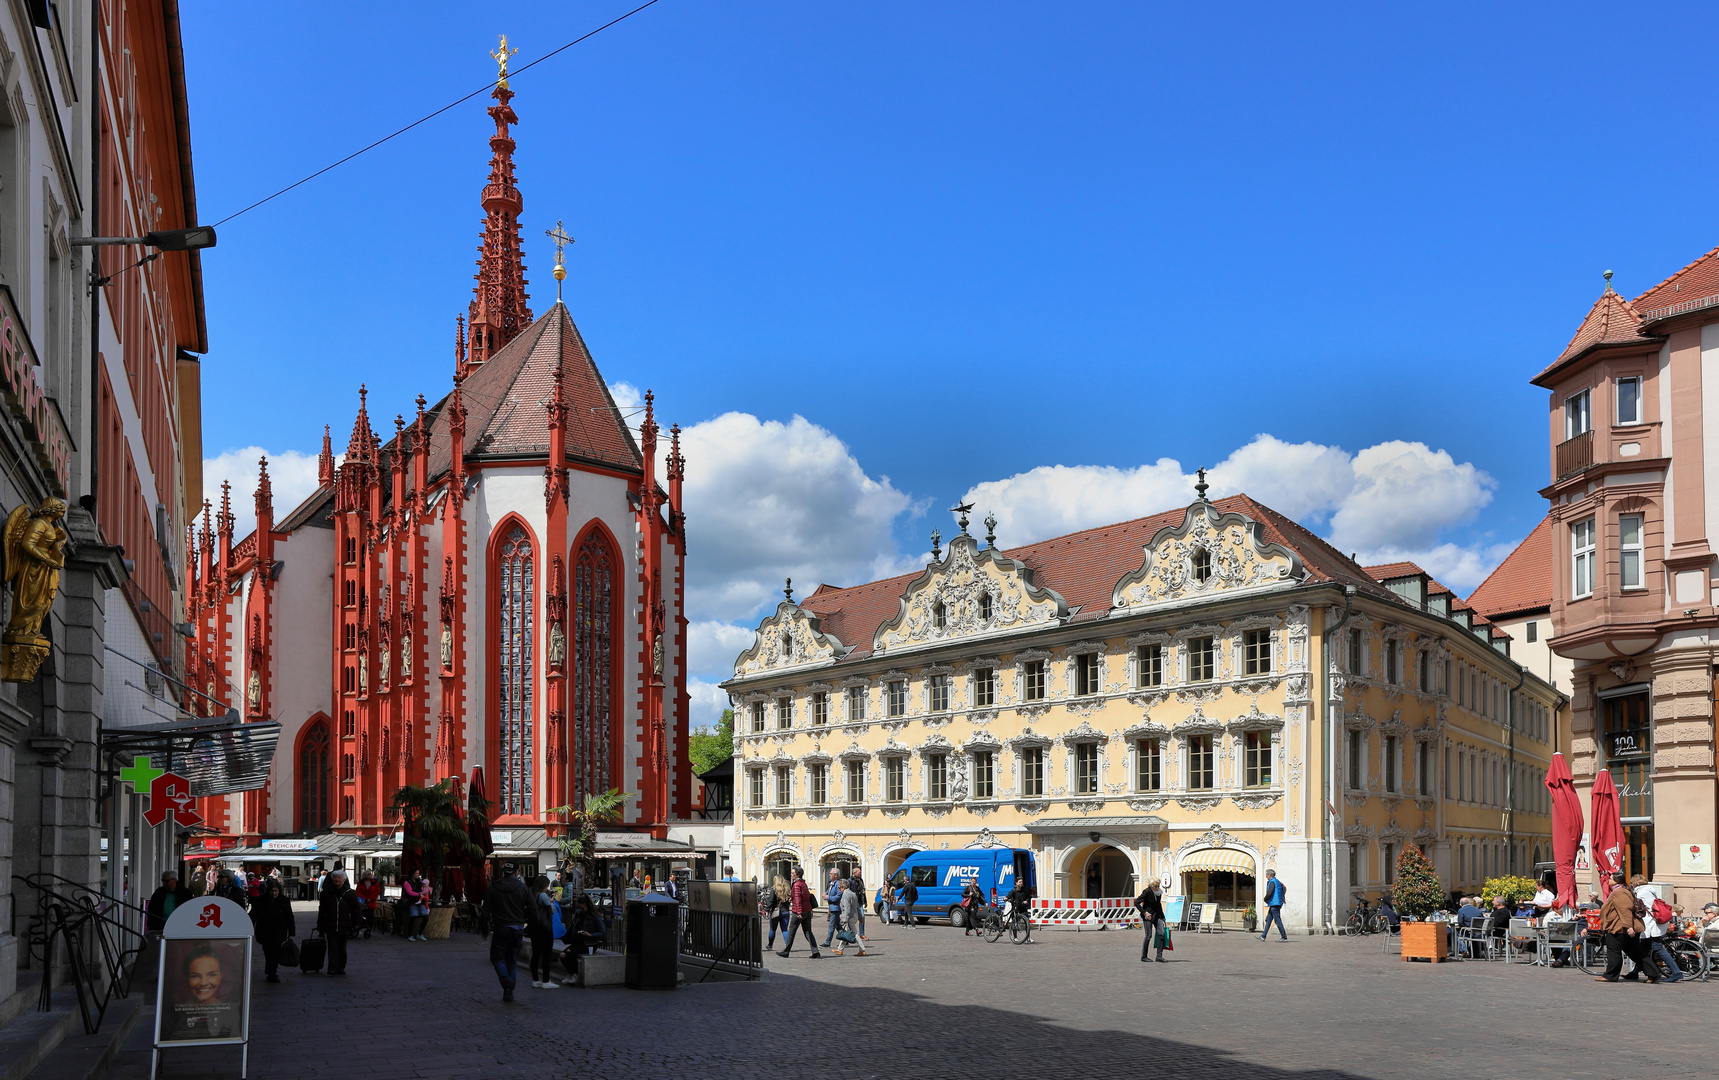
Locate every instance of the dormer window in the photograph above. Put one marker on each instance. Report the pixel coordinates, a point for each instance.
(787, 647)
(939, 615)
(985, 607)
(1202, 565)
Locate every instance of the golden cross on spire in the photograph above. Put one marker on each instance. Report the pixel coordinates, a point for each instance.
(558, 236)
(500, 57)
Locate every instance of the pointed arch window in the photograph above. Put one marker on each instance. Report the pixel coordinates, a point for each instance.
(594, 569)
(315, 782)
(515, 594)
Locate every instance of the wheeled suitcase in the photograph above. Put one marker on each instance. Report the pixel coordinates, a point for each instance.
(311, 953)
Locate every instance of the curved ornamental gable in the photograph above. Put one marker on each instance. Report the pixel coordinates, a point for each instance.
(1208, 554)
(970, 592)
(791, 638)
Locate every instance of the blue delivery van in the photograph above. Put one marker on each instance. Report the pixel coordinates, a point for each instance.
(941, 876)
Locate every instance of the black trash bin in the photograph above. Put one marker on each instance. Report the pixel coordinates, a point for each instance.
(653, 942)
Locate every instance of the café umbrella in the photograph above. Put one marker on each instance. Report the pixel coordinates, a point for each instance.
(1566, 828)
(477, 829)
(1608, 838)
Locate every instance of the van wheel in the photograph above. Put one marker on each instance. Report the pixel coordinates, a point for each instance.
(879, 909)
(958, 916)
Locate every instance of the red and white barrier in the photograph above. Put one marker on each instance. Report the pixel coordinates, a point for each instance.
(1104, 913)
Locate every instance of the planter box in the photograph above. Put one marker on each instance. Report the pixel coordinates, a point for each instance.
(1427, 940)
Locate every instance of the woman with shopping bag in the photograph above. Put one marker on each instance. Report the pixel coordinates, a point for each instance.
(1151, 909)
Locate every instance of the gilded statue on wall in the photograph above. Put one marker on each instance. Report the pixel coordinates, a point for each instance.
(35, 546)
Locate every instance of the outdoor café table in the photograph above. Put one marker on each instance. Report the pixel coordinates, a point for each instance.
(1555, 935)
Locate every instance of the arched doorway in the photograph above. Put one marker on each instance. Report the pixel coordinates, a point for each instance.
(842, 862)
(780, 864)
(1107, 872)
(892, 861)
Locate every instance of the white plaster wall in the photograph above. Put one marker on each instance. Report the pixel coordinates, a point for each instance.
(301, 644)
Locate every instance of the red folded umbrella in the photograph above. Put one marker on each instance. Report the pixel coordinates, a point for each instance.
(1566, 827)
(1608, 838)
(477, 828)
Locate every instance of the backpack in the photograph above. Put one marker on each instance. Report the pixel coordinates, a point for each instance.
(1661, 911)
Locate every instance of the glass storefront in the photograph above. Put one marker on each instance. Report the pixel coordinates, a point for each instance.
(1628, 745)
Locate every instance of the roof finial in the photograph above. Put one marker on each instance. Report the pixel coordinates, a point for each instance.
(936, 544)
(788, 589)
(558, 236)
(1608, 276)
(991, 530)
(1201, 485)
(500, 57)
(961, 510)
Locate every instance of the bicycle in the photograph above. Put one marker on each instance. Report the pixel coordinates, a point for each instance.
(1590, 955)
(1364, 918)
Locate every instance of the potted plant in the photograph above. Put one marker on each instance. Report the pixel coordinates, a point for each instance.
(1514, 889)
(1418, 893)
(1250, 919)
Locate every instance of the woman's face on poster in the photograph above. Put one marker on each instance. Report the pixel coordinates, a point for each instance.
(204, 977)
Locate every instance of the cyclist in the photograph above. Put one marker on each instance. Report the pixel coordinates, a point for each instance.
(1021, 900)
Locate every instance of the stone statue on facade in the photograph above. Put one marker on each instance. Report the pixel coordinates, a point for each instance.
(254, 691)
(557, 646)
(447, 647)
(657, 656)
(405, 655)
(386, 659)
(363, 673)
(35, 547)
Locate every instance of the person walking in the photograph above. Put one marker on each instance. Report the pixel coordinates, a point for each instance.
(857, 884)
(1623, 930)
(337, 917)
(369, 894)
(887, 902)
(1275, 894)
(909, 897)
(272, 922)
(415, 891)
(853, 903)
(774, 904)
(163, 901)
(1653, 931)
(1151, 908)
(833, 900)
(229, 889)
(542, 930)
(508, 907)
(972, 899)
(801, 903)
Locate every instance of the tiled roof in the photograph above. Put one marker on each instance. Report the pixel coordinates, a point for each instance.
(1523, 581)
(1083, 567)
(1697, 281)
(504, 401)
(1611, 321)
(1392, 571)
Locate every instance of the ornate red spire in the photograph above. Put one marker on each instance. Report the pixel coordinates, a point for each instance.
(325, 463)
(358, 447)
(265, 494)
(224, 520)
(499, 308)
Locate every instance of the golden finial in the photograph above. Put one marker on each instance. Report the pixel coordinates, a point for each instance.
(558, 236)
(500, 56)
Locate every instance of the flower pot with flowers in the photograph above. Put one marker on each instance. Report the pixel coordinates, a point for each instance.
(1250, 919)
(1418, 894)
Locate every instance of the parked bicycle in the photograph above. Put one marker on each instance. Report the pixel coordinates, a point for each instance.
(1364, 918)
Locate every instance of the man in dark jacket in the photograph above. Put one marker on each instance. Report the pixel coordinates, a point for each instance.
(337, 916)
(164, 900)
(1151, 909)
(801, 903)
(273, 923)
(229, 889)
(909, 897)
(508, 906)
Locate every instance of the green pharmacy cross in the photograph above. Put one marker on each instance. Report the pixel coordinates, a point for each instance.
(140, 775)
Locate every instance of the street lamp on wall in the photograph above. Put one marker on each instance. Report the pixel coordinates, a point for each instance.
(193, 239)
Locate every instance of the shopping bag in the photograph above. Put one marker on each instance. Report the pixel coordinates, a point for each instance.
(1161, 940)
(289, 953)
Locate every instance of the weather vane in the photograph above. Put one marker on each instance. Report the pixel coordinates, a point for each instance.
(962, 509)
(500, 56)
(558, 236)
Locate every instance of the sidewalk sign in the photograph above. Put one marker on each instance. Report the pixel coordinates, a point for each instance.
(203, 983)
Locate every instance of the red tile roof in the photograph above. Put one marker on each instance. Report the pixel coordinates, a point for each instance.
(1083, 567)
(1392, 571)
(1611, 321)
(1523, 581)
(1697, 281)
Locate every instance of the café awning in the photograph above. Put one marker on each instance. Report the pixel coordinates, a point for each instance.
(1230, 859)
(218, 755)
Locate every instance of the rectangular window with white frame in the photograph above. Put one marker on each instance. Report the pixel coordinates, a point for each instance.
(1393, 653)
(1629, 400)
(1630, 574)
(1582, 558)
(1389, 851)
(820, 709)
(1256, 652)
(896, 697)
(1033, 675)
(984, 775)
(937, 776)
(757, 716)
(856, 703)
(1578, 416)
(1357, 653)
(1149, 666)
(784, 713)
(1086, 768)
(1423, 771)
(1032, 772)
(784, 785)
(895, 773)
(856, 783)
(1357, 760)
(939, 693)
(1202, 659)
(1148, 765)
(1086, 674)
(1392, 779)
(1200, 762)
(755, 787)
(818, 784)
(1256, 758)
(984, 687)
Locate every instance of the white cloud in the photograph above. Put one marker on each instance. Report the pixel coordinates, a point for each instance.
(292, 476)
(707, 702)
(1405, 495)
(712, 646)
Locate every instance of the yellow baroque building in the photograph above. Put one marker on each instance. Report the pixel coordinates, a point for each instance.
(1194, 697)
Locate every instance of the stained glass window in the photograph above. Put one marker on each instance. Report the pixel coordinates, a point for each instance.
(593, 693)
(316, 810)
(514, 705)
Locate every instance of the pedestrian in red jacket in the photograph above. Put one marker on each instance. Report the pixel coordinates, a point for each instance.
(802, 903)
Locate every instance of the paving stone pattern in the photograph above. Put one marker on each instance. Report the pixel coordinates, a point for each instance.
(930, 1003)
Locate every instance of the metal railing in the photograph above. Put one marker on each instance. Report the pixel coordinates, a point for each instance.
(1679, 308)
(723, 937)
(1575, 454)
(101, 949)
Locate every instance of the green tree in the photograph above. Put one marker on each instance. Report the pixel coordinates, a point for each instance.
(711, 746)
(435, 832)
(599, 809)
(1417, 890)
(1513, 888)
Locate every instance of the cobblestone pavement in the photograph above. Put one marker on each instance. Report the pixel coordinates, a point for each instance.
(930, 1003)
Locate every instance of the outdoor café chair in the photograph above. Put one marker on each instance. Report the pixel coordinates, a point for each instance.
(1519, 939)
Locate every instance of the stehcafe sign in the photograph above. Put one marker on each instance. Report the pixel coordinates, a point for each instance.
(38, 415)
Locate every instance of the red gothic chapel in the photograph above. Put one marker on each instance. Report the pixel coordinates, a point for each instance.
(497, 584)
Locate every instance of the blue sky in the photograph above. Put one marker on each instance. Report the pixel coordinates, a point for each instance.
(965, 243)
